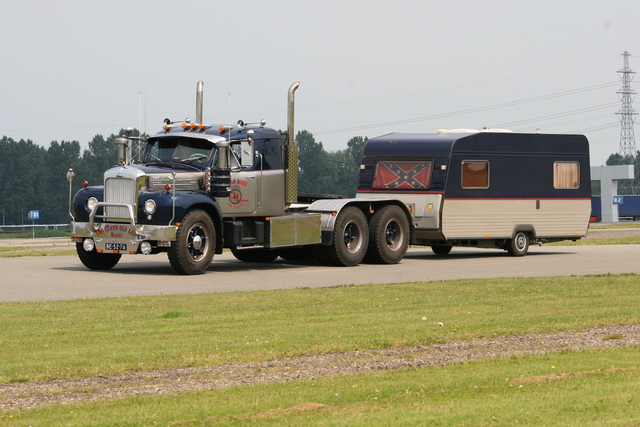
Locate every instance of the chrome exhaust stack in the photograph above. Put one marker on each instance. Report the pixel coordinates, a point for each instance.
(291, 151)
(199, 101)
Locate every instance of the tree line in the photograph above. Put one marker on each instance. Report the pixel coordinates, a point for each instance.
(34, 177)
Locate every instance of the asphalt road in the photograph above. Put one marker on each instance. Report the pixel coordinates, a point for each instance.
(64, 277)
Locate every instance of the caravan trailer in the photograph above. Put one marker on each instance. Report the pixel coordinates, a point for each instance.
(488, 189)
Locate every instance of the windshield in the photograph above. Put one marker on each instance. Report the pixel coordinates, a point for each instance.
(181, 149)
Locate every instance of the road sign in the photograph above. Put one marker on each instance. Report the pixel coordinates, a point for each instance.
(34, 215)
(617, 200)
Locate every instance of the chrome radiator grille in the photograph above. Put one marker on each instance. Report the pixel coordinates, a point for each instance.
(119, 190)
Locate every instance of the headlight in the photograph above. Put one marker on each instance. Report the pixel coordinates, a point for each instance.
(150, 206)
(91, 203)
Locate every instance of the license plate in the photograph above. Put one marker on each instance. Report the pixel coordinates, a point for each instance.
(115, 246)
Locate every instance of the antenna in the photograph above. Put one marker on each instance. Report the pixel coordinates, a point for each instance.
(626, 113)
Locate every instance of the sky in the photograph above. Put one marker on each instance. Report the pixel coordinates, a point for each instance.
(75, 69)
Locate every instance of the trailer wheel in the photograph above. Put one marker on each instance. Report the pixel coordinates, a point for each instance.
(350, 238)
(254, 255)
(388, 235)
(193, 249)
(96, 261)
(441, 249)
(519, 245)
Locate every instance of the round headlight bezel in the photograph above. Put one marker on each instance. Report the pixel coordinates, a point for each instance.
(91, 203)
(150, 206)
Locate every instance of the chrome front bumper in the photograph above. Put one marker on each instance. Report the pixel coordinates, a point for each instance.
(131, 235)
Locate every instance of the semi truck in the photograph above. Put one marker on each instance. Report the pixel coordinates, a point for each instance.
(199, 188)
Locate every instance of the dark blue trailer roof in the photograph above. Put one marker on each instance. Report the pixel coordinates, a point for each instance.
(447, 143)
(412, 144)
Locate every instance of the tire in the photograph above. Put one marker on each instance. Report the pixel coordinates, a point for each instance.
(519, 245)
(350, 238)
(388, 236)
(195, 243)
(96, 261)
(441, 249)
(254, 255)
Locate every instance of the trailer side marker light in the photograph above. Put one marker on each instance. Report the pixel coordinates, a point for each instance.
(334, 213)
(371, 211)
(410, 208)
(486, 235)
(268, 218)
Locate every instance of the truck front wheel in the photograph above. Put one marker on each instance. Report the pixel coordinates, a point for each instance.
(96, 261)
(388, 235)
(350, 239)
(193, 249)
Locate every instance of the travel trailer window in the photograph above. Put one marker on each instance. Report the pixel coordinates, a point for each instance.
(566, 175)
(403, 174)
(475, 174)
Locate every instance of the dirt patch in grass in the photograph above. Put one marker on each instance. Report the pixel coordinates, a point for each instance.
(31, 394)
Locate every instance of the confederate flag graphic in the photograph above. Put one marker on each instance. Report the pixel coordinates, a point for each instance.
(403, 174)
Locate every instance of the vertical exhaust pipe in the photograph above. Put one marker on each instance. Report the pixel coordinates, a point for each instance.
(291, 151)
(199, 102)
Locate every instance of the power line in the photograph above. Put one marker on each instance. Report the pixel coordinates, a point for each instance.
(470, 110)
(553, 116)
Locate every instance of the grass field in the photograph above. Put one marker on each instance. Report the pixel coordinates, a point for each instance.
(64, 339)
(102, 337)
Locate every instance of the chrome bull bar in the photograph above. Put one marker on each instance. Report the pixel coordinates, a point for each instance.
(94, 214)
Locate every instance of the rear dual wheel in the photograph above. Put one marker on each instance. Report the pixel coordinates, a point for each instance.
(388, 235)
(350, 240)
